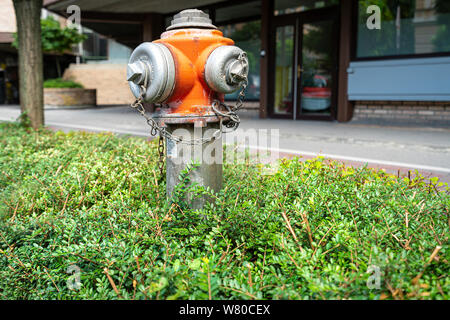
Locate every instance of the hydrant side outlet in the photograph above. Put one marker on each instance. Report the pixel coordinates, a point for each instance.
(151, 65)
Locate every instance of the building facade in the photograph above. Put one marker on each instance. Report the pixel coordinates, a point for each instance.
(369, 61)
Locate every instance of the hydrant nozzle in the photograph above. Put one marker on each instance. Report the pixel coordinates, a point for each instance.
(137, 72)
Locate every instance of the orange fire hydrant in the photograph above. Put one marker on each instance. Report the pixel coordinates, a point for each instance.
(186, 74)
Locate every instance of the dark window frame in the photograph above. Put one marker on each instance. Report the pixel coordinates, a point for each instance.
(238, 20)
(354, 46)
(307, 10)
(96, 48)
(242, 20)
(328, 13)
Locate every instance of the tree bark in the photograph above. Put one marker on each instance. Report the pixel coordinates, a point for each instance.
(28, 17)
(58, 66)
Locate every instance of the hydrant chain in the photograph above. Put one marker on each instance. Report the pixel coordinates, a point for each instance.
(233, 121)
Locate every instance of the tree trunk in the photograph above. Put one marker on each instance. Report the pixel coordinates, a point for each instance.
(58, 66)
(28, 16)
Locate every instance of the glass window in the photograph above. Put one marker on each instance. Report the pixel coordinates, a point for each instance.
(167, 21)
(243, 10)
(318, 62)
(291, 6)
(284, 95)
(406, 27)
(246, 36)
(95, 47)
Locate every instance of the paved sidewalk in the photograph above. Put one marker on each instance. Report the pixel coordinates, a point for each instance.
(393, 148)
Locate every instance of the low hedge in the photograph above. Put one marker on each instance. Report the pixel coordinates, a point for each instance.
(60, 83)
(317, 229)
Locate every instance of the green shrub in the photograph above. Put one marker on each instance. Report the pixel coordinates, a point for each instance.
(309, 231)
(56, 39)
(60, 83)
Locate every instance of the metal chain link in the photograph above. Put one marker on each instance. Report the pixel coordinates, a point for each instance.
(155, 128)
(161, 155)
(231, 113)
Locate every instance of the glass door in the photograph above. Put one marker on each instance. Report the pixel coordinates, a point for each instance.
(304, 65)
(283, 75)
(317, 67)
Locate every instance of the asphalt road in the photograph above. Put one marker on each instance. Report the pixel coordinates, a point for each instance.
(392, 148)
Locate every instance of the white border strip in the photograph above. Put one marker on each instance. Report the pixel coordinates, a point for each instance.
(279, 150)
(97, 129)
(87, 128)
(366, 160)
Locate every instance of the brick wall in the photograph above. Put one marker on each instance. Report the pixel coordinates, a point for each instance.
(69, 97)
(432, 113)
(109, 80)
(8, 16)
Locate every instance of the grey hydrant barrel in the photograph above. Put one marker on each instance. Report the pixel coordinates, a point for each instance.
(201, 164)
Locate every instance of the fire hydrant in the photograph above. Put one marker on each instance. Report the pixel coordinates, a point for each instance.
(186, 74)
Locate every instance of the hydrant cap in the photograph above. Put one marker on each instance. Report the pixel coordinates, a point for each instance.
(151, 65)
(191, 18)
(225, 70)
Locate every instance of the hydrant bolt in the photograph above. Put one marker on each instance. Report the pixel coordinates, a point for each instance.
(137, 72)
(236, 72)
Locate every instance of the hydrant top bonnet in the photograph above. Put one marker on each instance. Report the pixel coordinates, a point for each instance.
(191, 18)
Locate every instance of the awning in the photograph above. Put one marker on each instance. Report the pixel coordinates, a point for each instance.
(128, 6)
(125, 21)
